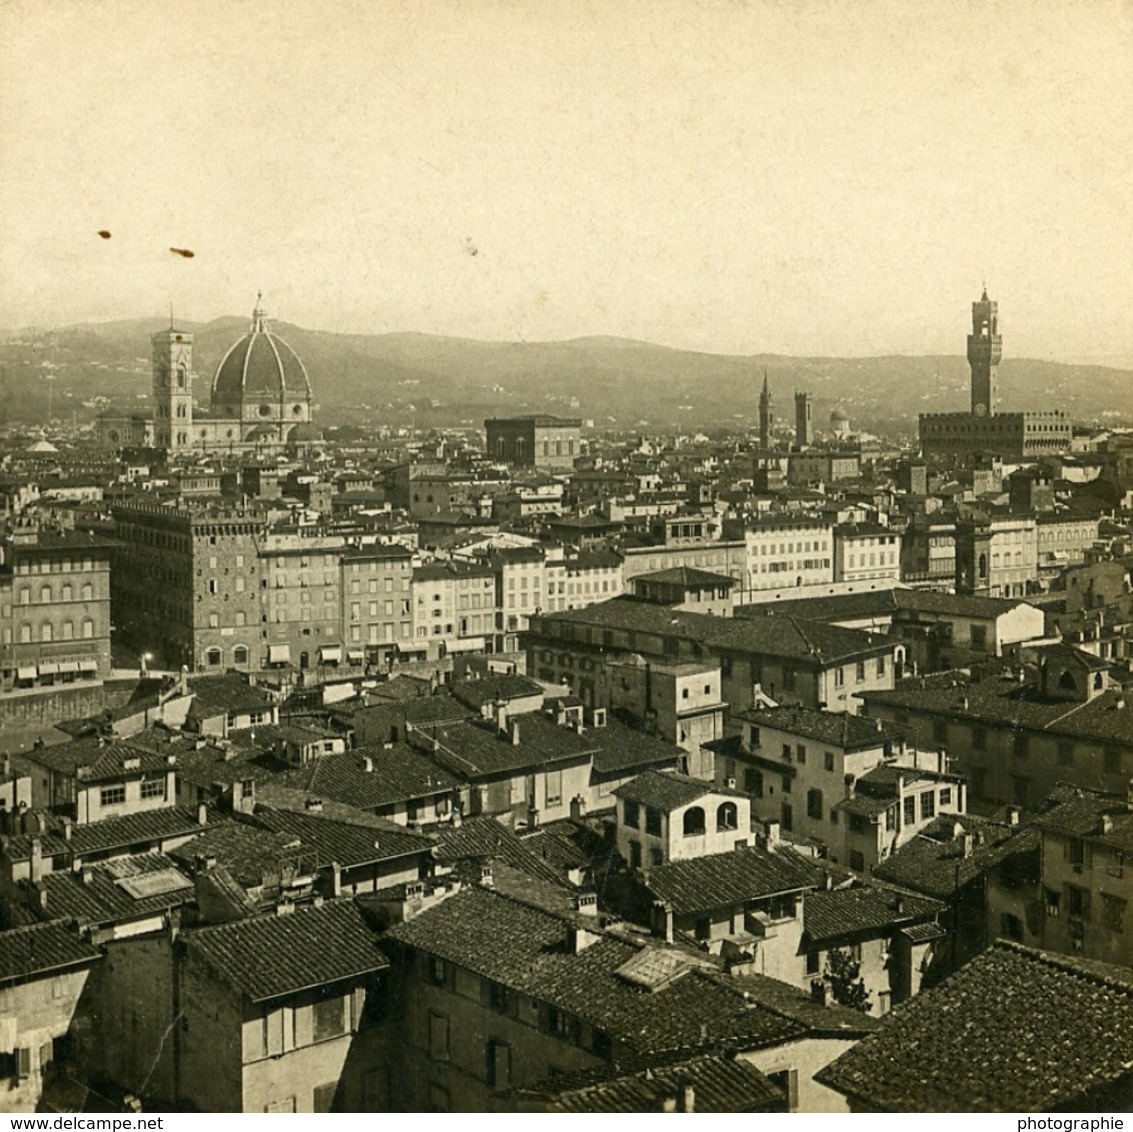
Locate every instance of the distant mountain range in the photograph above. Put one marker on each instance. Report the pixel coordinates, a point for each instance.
(617, 383)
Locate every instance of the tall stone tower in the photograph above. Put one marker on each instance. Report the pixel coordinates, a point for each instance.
(802, 419)
(985, 348)
(766, 418)
(172, 389)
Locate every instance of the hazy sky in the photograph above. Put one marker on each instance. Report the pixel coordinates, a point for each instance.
(800, 177)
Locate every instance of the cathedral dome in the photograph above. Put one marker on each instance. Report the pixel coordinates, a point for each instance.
(261, 375)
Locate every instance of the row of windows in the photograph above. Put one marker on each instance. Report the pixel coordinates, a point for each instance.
(47, 631)
(66, 593)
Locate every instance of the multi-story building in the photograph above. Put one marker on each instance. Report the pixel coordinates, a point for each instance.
(540, 441)
(996, 555)
(454, 607)
(185, 584)
(1086, 860)
(844, 781)
(1016, 737)
(782, 657)
(519, 577)
(377, 596)
(866, 552)
(302, 599)
(1062, 539)
(582, 579)
(816, 466)
(54, 610)
(786, 552)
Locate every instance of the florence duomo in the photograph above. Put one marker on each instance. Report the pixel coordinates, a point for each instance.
(687, 665)
(260, 398)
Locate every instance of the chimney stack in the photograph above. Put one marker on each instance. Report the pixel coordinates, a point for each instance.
(771, 834)
(513, 731)
(688, 1098)
(578, 807)
(202, 814)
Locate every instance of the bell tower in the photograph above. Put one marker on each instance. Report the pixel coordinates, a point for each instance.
(985, 348)
(172, 389)
(766, 418)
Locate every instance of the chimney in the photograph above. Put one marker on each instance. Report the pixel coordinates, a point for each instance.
(532, 817)
(501, 718)
(457, 817)
(68, 829)
(486, 878)
(771, 834)
(7, 766)
(202, 814)
(183, 683)
(687, 1101)
(336, 879)
(87, 875)
(586, 903)
(313, 805)
(368, 765)
(663, 920)
(578, 807)
(1012, 815)
(285, 908)
(968, 842)
(35, 860)
(1105, 825)
(848, 786)
(513, 731)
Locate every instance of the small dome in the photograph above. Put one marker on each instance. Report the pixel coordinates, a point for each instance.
(260, 367)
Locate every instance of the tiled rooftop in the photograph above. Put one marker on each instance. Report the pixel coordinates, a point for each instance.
(862, 910)
(271, 956)
(666, 791)
(41, 949)
(525, 948)
(701, 884)
(1015, 1030)
(398, 773)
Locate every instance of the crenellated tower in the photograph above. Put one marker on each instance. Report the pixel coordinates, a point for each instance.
(985, 348)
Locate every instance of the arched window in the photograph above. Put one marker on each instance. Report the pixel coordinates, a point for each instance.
(212, 657)
(45, 594)
(68, 630)
(25, 595)
(68, 592)
(1066, 681)
(25, 633)
(1099, 683)
(726, 816)
(88, 628)
(983, 566)
(88, 592)
(46, 632)
(239, 655)
(694, 821)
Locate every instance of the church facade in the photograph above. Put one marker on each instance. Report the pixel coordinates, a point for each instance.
(260, 398)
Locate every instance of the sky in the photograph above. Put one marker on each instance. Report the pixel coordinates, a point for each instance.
(800, 177)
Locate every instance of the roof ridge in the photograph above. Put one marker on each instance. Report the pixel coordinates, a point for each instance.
(1072, 965)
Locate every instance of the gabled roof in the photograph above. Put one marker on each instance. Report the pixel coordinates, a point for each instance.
(398, 773)
(138, 831)
(622, 749)
(526, 949)
(938, 863)
(863, 910)
(38, 950)
(838, 729)
(666, 791)
(275, 955)
(701, 884)
(720, 1084)
(1015, 1030)
(344, 842)
(1100, 817)
(495, 686)
(220, 695)
(486, 839)
(120, 890)
(476, 748)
